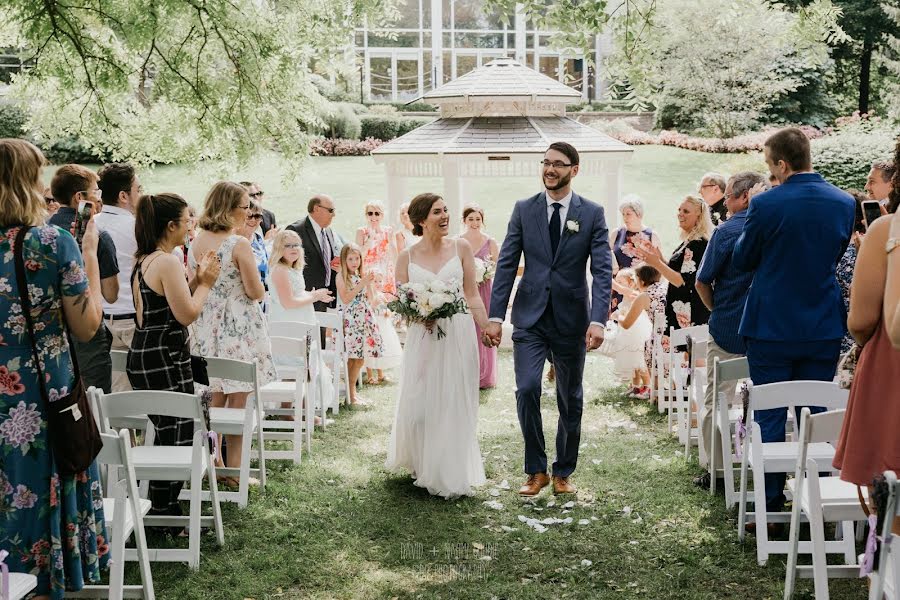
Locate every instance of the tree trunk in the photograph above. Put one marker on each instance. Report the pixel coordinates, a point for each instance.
(865, 66)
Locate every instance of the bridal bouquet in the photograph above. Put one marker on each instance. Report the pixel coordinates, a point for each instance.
(427, 302)
(484, 270)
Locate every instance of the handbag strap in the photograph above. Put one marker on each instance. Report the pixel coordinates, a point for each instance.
(18, 252)
(21, 282)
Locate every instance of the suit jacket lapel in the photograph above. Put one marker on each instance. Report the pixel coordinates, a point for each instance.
(311, 231)
(540, 216)
(571, 215)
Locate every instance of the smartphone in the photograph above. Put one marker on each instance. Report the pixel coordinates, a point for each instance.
(871, 211)
(82, 217)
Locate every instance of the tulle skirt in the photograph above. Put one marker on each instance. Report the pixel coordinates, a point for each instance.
(435, 424)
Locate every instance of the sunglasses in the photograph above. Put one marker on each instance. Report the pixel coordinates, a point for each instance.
(291, 246)
(256, 194)
(255, 216)
(331, 210)
(49, 199)
(373, 213)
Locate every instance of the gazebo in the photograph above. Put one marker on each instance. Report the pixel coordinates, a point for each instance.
(497, 121)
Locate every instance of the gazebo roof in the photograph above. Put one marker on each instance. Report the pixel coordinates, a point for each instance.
(505, 78)
(496, 135)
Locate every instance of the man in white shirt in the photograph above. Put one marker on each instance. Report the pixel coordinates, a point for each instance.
(120, 191)
(878, 183)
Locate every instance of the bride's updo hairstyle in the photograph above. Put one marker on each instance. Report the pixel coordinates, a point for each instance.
(419, 209)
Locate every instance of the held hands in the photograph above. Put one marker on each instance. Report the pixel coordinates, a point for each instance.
(322, 295)
(208, 268)
(594, 337)
(492, 334)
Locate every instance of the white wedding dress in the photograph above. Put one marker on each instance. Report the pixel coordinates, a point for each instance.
(435, 423)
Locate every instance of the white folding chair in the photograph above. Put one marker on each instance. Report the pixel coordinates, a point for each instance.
(19, 584)
(136, 423)
(309, 332)
(238, 421)
(170, 463)
(884, 581)
(732, 370)
(821, 500)
(687, 431)
(300, 413)
(335, 351)
(779, 457)
(124, 512)
(659, 388)
(678, 392)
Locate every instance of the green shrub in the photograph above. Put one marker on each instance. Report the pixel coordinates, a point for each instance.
(329, 90)
(342, 122)
(386, 110)
(416, 107)
(72, 149)
(407, 124)
(359, 109)
(12, 121)
(845, 156)
(379, 127)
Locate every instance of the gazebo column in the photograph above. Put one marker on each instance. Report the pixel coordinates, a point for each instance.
(612, 174)
(453, 189)
(396, 195)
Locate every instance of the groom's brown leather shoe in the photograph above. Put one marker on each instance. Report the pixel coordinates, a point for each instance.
(534, 484)
(561, 485)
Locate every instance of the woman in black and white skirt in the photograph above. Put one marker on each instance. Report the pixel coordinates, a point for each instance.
(160, 357)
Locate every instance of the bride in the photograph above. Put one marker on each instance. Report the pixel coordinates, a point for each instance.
(434, 434)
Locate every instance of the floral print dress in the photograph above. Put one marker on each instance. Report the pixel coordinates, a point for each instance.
(53, 525)
(684, 308)
(845, 278)
(231, 325)
(379, 254)
(362, 338)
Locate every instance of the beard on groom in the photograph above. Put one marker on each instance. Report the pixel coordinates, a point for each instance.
(553, 316)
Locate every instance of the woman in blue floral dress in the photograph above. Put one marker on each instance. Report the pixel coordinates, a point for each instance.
(53, 525)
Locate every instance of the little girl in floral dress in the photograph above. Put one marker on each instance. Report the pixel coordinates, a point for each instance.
(362, 338)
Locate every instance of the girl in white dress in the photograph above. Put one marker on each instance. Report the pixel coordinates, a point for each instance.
(629, 331)
(435, 424)
(289, 300)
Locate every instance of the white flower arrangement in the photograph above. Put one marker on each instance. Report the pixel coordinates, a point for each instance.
(427, 303)
(485, 269)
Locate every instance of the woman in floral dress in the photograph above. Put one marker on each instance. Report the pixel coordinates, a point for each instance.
(231, 324)
(684, 308)
(379, 250)
(53, 525)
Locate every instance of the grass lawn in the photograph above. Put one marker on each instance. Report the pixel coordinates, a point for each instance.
(659, 175)
(339, 526)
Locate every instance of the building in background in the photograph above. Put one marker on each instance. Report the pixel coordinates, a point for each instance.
(436, 41)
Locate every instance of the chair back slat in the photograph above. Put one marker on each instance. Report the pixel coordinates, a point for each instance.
(292, 329)
(787, 394)
(141, 402)
(678, 337)
(288, 346)
(111, 452)
(329, 319)
(234, 370)
(732, 369)
(824, 427)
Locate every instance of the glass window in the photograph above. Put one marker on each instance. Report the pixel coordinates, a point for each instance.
(409, 14)
(479, 40)
(465, 63)
(380, 73)
(445, 13)
(550, 66)
(396, 40)
(448, 72)
(407, 79)
(575, 73)
(470, 15)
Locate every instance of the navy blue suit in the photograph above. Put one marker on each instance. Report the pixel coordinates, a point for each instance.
(551, 314)
(794, 318)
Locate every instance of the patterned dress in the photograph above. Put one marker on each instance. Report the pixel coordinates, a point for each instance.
(160, 359)
(684, 308)
(232, 325)
(657, 293)
(844, 275)
(362, 338)
(623, 249)
(378, 257)
(53, 525)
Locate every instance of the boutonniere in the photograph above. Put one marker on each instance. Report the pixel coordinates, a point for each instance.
(572, 226)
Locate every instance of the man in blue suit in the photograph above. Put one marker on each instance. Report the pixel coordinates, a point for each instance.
(794, 319)
(553, 315)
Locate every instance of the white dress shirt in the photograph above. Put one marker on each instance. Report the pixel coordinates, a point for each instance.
(119, 224)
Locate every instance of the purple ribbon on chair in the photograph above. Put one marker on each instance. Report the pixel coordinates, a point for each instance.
(4, 574)
(868, 562)
(215, 445)
(740, 432)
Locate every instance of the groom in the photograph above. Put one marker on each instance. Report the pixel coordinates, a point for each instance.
(558, 231)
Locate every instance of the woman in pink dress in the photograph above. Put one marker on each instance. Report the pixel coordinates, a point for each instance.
(379, 250)
(486, 250)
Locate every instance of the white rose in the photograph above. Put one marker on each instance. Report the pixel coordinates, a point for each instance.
(418, 288)
(437, 286)
(424, 309)
(440, 299)
(572, 226)
(480, 270)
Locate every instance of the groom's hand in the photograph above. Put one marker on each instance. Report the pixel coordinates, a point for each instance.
(594, 337)
(493, 333)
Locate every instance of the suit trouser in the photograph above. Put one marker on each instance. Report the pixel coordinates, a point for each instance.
(121, 331)
(771, 362)
(708, 423)
(94, 360)
(531, 348)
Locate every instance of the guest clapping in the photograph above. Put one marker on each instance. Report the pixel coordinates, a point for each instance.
(487, 250)
(53, 524)
(160, 357)
(684, 308)
(231, 324)
(622, 240)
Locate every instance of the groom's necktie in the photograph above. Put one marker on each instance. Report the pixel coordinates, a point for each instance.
(555, 228)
